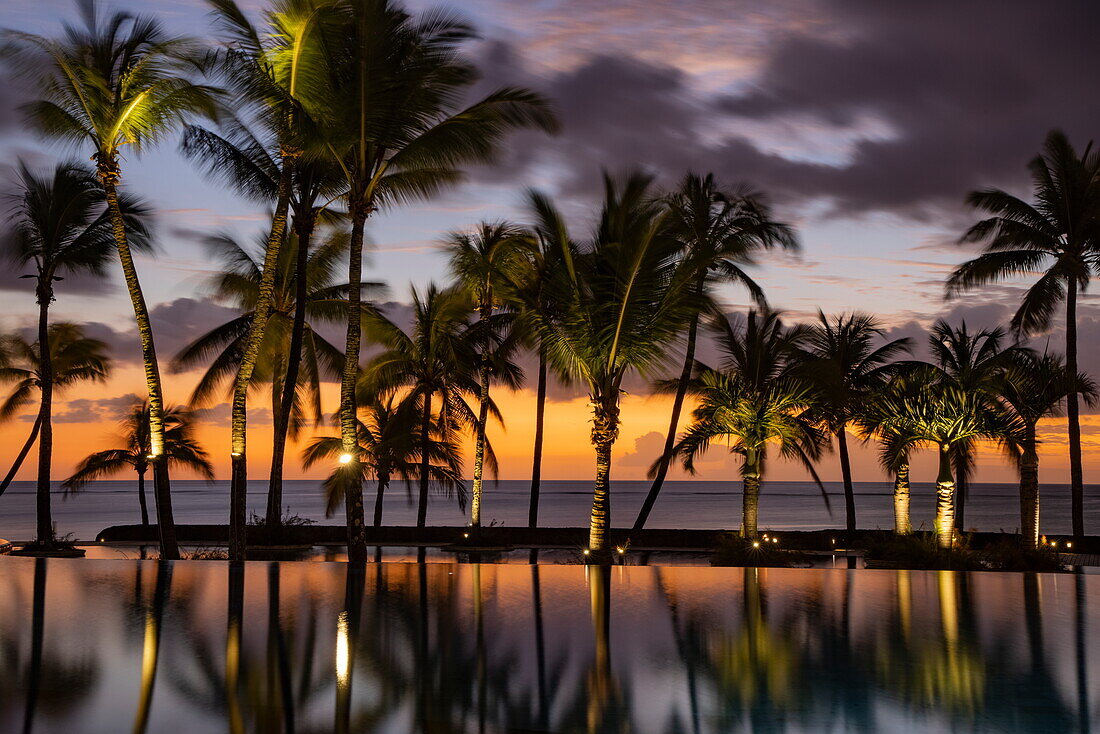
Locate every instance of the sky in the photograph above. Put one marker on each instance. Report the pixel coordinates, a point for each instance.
(863, 124)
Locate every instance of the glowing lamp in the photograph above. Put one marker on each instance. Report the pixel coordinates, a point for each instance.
(346, 458)
(756, 544)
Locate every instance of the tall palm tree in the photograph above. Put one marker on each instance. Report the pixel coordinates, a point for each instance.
(1060, 234)
(272, 72)
(481, 261)
(975, 362)
(755, 397)
(61, 227)
(937, 412)
(1035, 386)
(108, 84)
(847, 364)
(721, 233)
(434, 363)
(625, 298)
(396, 129)
(390, 436)
(132, 452)
(70, 358)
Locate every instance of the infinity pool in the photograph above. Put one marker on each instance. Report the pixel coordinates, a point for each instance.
(112, 646)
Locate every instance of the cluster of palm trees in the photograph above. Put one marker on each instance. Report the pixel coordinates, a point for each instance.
(330, 110)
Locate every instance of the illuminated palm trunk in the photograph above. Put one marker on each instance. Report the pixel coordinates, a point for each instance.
(750, 496)
(108, 171)
(902, 525)
(44, 292)
(482, 419)
(945, 501)
(1029, 491)
(303, 226)
(605, 429)
(238, 490)
(349, 435)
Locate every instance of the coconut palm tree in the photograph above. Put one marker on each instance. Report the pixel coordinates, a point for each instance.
(132, 452)
(481, 261)
(272, 72)
(1059, 234)
(975, 362)
(61, 227)
(755, 397)
(1035, 386)
(721, 232)
(390, 436)
(434, 363)
(107, 85)
(848, 362)
(624, 299)
(395, 127)
(70, 358)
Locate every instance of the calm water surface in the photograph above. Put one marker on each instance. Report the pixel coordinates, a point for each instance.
(111, 646)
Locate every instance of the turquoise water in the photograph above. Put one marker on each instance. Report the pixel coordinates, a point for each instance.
(704, 505)
(108, 646)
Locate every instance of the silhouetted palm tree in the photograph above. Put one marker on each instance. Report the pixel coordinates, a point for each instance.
(108, 84)
(847, 361)
(1035, 386)
(394, 124)
(1059, 232)
(755, 397)
(389, 434)
(132, 452)
(70, 358)
(721, 233)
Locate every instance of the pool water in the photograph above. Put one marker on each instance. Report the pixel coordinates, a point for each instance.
(118, 645)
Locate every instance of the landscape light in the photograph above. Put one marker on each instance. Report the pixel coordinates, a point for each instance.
(621, 550)
(756, 544)
(1069, 545)
(346, 458)
(465, 535)
(586, 551)
(775, 540)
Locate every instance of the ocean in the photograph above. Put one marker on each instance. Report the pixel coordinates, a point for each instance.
(682, 504)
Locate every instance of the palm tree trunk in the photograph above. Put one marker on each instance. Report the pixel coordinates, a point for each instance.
(902, 525)
(425, 461)
(1029, 491)
(605, 429)
(38, 641)
(154, 624)
(44, 292)
(22, 453)
(482, 420)
(303, 226)
(750, 498)
(846, 475)
(108, 171)
(353, 494)
(141, 498)
(238, 490)
(383, 481)
(540, 424)
(945, 501)
(674, 422)
(1073, 418)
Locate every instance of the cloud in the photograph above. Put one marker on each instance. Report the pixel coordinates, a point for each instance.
(220, 414)
(89, 410)
(647, 447)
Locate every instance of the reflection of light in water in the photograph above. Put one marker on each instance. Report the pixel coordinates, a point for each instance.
(342, 648)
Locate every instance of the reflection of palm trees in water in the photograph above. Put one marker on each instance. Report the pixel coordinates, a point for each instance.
(150, 653)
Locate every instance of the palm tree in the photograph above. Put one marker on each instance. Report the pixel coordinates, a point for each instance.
(1035, 386)
(106, 85)
(1060, 232)
(625, 298)
(936, 412)
(396, 129)
(272, 72)
(62, 227)
(755, 397)
(481, 261)
(70, 358)
(132, 452)
(975, 362)
(846, 366)
(390, 437)
(434, 363)
(721, 232)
